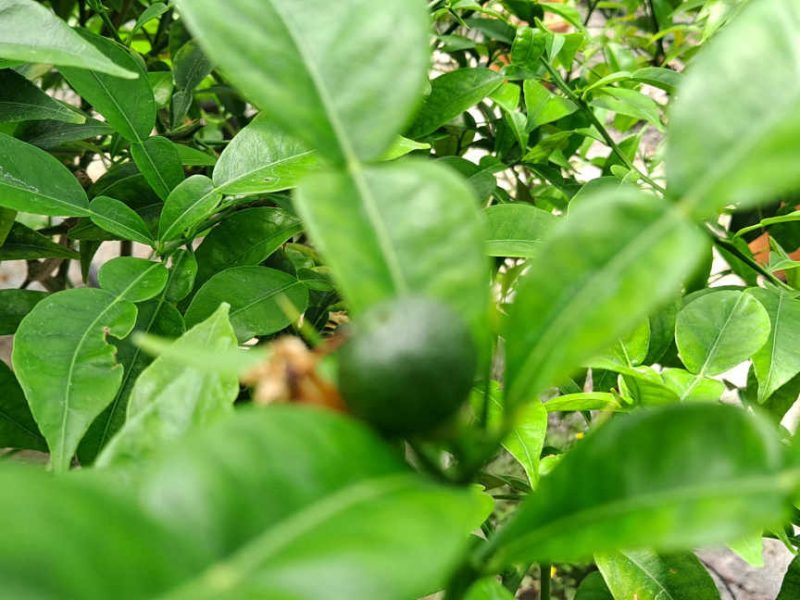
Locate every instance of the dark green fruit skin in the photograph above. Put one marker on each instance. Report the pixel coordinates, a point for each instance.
(408, 367)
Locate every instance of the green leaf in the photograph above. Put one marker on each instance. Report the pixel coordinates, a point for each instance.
(169, 398)
(14, 305)
(584, 290)
(245, 238)
(33, 181)
(630, 103)
(54, 134)
(262, 159)
(313, 80)
(7, 220)
(155, 10)
(790, 588)
(734, 128)
(31, 33)
(127, 104)
(649, 576)
(720, 330)
(379, 228)
(622, 488)
(543, 106)
(20, 100)
(268, 522)
(23, 243)
(452, 94)
(192, 201)
(255, 295)
(692, 388)
(516, 230)
(160, 163)
(17, 427)
(133, 279)
(583, 401)
(118, 218)
(778, 360)
(190, 66)
(488, 589)
(593, 587)
(65, 365)
(526, 440)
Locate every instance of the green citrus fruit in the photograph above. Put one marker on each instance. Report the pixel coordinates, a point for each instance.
(408, 366)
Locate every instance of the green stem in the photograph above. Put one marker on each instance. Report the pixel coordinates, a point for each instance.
(729, 247)
(544, 581)
(660, 52)
(562, 85)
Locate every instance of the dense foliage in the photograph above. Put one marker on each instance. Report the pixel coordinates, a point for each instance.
(379, 298)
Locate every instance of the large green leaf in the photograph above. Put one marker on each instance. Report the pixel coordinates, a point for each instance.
(587, 284)
(17, 427)
(452, 94)
(160, 163)
(66, 367)
(377, 530)
(20, 100)
(169, 398)
(31, 33)
(515, 230)
(735, 125)
(255, 295)
(381, 229)
(244, 238)
(778, 360)
(593, 587)
(646, 575)
(322, 84)
(720, 477)
(790, 588)
(118, 218)
(33, 181)
(261, 158)
(23, 243)
(193, 200)
(127, 104)
(720, 330)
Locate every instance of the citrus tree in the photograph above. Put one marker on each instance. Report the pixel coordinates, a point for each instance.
(385, 298)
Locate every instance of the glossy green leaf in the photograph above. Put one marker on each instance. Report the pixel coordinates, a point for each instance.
(65, 365)
(313, 80)
(778, 360)
(29, 32)
(14, 305)
(159, 162)
(169, 398)
(734, 128)
(54, 134)
(255, 295)
(585, 286)
(516, 230)
(245, 238)
(269, 522)
(187, 205)
(692, 388)
(544, 106)
(720, 330)
(593, 587)
(20, 100)
(452, 94)
(127, 104)
(23, 243)
(646, 575)
(526, 440)
(376, 229)
(261, 159)
(622, 488)
(118, 218)
(183, 273)
(33, 181)
(790, 588)
(17, 427)
(133, 279)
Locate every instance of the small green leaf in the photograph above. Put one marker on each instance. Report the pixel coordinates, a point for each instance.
(33, 181)
(720, 330)
(719, 478)
(193, 200)
(543, 106)
(17, 427)
(790, 588)
(735, 125)
(20, 100)
(255, 295)
(516, 230)
(488, 589)
(247, 237)
(452, 94)
(261, 159)
(160, 163)
(29, 32)
(133, 279)
(526, 440)
(169, 398)
(155, 10)
(646, 575)
(118, 218)
(23, 243)
(127, 104)
(311, 82)
(593, 587)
